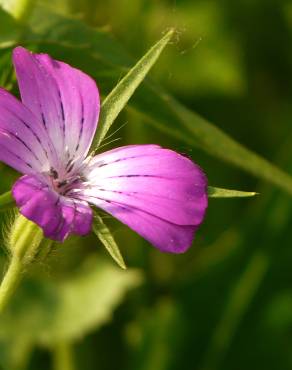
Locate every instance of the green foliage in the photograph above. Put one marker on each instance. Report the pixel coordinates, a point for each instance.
(47, 312)
(105, 236)
(226, 193)
(48, 27)
(122, 92)
(226, 304)
(6, 201)
(156, 347)
(19, 9)
(9, 29)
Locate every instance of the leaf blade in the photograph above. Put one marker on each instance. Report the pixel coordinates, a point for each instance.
(214, 192)
(122, 92)
(104, 235)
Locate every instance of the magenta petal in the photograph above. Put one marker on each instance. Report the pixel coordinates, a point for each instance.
(57, 216)
(24, 144)
(78, 216)
(159, 193)
(164, 235)
(63, 98)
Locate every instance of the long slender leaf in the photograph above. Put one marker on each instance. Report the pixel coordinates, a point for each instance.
(216, 142)
(228, 193)
(120, 95)
(194, 130)
(104, 235)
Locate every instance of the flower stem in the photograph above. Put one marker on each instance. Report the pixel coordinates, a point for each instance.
(10, 281)
(63, 358)
(24, 242)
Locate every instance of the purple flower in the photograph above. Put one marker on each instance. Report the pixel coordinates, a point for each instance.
(157, 192)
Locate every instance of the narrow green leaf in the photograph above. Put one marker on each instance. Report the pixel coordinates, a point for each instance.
(228, 193)
(196, 131)
(6, 201)
(120, 95)
(214, 141)
(104, 235)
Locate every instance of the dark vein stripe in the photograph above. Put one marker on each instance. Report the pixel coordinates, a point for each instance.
(119, 160)
(28, 126)
(128, 208)
(75, 212)
(81, 123)
(57, 201)
(24, 144)
(18, 157)
(131, 176)
(43, 118)
(63, 128)
(44, 186)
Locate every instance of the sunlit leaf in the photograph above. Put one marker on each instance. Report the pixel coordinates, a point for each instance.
(105, 236)
(18, 9)
(9, 29)
(228, 193)
(47, 312)
(50, 27)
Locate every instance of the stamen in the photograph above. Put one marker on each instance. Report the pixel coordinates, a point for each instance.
(53, 173)
(61, 183)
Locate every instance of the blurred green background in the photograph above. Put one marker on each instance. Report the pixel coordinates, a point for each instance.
(226, 303)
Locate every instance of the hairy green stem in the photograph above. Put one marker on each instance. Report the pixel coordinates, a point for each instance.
(44, 249)
(24, 242)
(10, 281)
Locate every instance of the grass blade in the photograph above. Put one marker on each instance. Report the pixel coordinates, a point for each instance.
(104, 235)
(228, 193)
(120, 95)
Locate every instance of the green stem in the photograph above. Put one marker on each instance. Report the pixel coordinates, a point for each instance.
(63, 358)
(10, 281)
(24, 241)
(44, 249)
